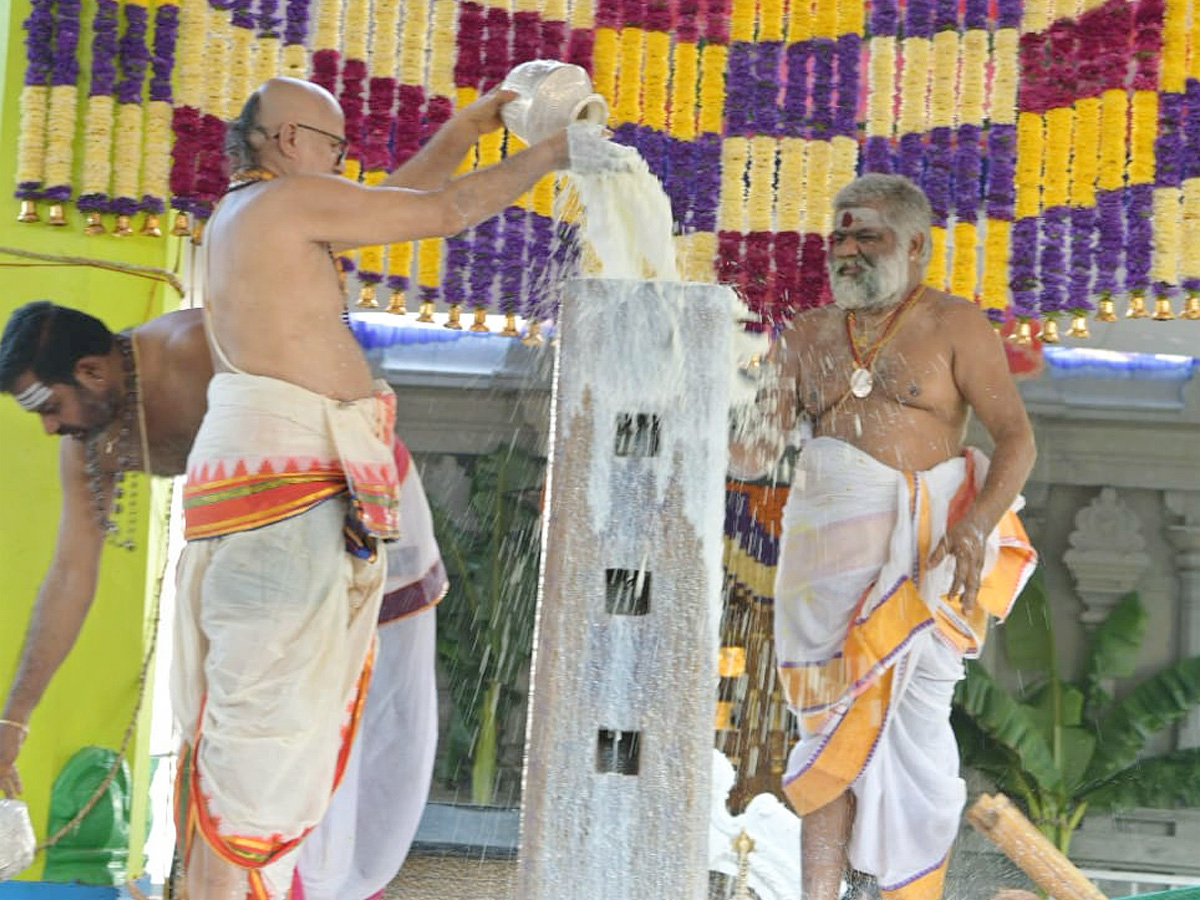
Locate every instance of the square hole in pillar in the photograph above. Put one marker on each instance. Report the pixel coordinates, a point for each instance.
(626, 592)
(637, 434)
(617, 752)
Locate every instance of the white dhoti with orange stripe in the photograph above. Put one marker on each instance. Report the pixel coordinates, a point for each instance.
(869, 649)
(280, 587)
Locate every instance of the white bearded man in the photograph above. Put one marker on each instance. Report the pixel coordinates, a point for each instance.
(898, 542)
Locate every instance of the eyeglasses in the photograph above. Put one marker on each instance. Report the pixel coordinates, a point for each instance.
(340, 144)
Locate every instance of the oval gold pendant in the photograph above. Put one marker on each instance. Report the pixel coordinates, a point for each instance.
(861, 382)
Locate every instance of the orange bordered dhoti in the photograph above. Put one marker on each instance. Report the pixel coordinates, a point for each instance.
(869, 649)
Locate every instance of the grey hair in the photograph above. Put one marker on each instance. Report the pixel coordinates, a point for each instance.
(904, 207)
(241, 149)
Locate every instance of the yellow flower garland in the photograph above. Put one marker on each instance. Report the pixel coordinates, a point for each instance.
(1035, 16)
(799, 21)
(189, 66)
(685, 77)
(971, 100)
(1058, 131)
(1143, 127)
(327, 34)
(994, 286)
(1030, 153)
(604, 64)
(770, 20)
(735, 155)
(1085, 157)
(442, 48)
(31, 143)
(1002, 105)
(358, 28)
(741, 20)
(712, 87)
(943, 103)
(1113, 109)
(60, 134)
(96, 172)
(882, 86)
(1189, 250)
(400, 259)
(127, 152)
(1168, 235)
(654, 94)
(788, 209)
(156, 163)
(219, 100)
(850, 18)
(760, 193)
(914, 86)
(819, 198)
(825, 18)
(629, 77)
(239, 74)
(429, 262)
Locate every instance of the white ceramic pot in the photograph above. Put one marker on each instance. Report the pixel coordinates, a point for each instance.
(551, 95)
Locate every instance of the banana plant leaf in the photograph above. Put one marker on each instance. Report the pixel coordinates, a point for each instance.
(1158, 702)
(1158, 782)
(1005, 720)
(1114, 647)
(1029, 634)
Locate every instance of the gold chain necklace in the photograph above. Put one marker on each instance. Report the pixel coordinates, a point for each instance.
(862, 379)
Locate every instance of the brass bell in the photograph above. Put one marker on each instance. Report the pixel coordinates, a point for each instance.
(123, 226)
(94, 224)
(1137, 307)
(180, 227)
(533, 335)
(454, 317)
(1079, 327)
(28, 212)
(396, 303)
(151, 227)
(1191, 307)
(366, 297)
(1107, 311)
(480, 321)
(1162, 309)
(425, 311)
(1024, 335)
(510, 325)
(1050, 330)
(57, 215)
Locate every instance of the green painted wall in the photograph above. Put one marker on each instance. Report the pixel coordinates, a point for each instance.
(91, 699)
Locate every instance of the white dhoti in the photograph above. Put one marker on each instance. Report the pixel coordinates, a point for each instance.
(870, 648)
(278, 599)
(362, 841)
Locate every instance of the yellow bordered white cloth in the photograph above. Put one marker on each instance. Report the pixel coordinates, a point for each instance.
(869, 648)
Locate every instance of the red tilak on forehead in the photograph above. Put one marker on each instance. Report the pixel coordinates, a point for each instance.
(847, 220)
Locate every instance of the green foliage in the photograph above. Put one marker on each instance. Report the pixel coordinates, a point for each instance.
(1061, 748)
(485, 623)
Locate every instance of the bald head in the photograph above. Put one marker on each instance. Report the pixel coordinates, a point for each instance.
(265, 132)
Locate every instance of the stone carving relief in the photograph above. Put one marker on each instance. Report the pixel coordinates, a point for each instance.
(1107, 555)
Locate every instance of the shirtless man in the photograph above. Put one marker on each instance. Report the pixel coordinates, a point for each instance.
(69, 369)
(290, 482)
(877, 600)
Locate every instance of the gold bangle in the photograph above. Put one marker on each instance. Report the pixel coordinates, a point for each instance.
(21, 725)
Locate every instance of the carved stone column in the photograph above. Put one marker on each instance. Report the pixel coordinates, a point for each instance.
(1107, 555)
(1185, 539)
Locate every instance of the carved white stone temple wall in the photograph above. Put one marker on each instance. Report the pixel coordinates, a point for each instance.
(617, 773)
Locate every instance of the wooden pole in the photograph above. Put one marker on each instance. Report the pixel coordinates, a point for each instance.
(1003, 824)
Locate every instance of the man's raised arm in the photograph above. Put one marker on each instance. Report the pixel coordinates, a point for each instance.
(62, 604)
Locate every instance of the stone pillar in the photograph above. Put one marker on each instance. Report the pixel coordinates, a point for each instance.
(619, 754)
(1185, 539)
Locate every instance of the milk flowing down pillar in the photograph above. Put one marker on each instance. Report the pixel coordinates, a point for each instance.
(618, 758)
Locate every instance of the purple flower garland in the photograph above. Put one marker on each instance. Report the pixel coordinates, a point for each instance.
(295, 24)
(999, 185)
(1190, 161)
(1083, 239)
(968, 167)
(793, 121)
(938, 176)
(1052, 272)
(65, 70)
(1023, 268)
(1110, 240)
